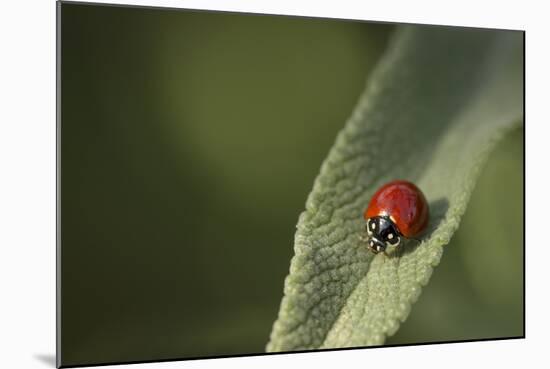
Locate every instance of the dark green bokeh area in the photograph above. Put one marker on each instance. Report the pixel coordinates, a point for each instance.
(190, 141)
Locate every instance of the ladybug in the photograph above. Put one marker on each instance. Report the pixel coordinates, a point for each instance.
(397, 210)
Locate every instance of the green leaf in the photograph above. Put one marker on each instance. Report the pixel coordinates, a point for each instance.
(435, 106)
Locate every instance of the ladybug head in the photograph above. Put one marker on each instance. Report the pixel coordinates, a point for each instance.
(382, 233)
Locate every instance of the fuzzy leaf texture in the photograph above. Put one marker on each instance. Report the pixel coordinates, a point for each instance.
(434, 107)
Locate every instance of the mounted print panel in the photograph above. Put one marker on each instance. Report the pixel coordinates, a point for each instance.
(242, 184)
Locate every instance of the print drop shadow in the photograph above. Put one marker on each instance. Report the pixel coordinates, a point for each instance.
(47, 359)
(438, 209)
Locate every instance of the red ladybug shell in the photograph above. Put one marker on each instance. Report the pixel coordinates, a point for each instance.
(404, 203)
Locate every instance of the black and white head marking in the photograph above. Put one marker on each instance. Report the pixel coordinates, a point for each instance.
(382, 233)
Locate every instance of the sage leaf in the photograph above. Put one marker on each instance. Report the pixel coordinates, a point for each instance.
(438, 101)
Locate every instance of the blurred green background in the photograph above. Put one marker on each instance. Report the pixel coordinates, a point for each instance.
(190, 141)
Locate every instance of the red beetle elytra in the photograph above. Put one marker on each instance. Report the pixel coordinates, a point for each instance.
(398, 209)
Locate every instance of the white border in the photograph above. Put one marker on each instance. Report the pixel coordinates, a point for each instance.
(465, 13)
(27, 181)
